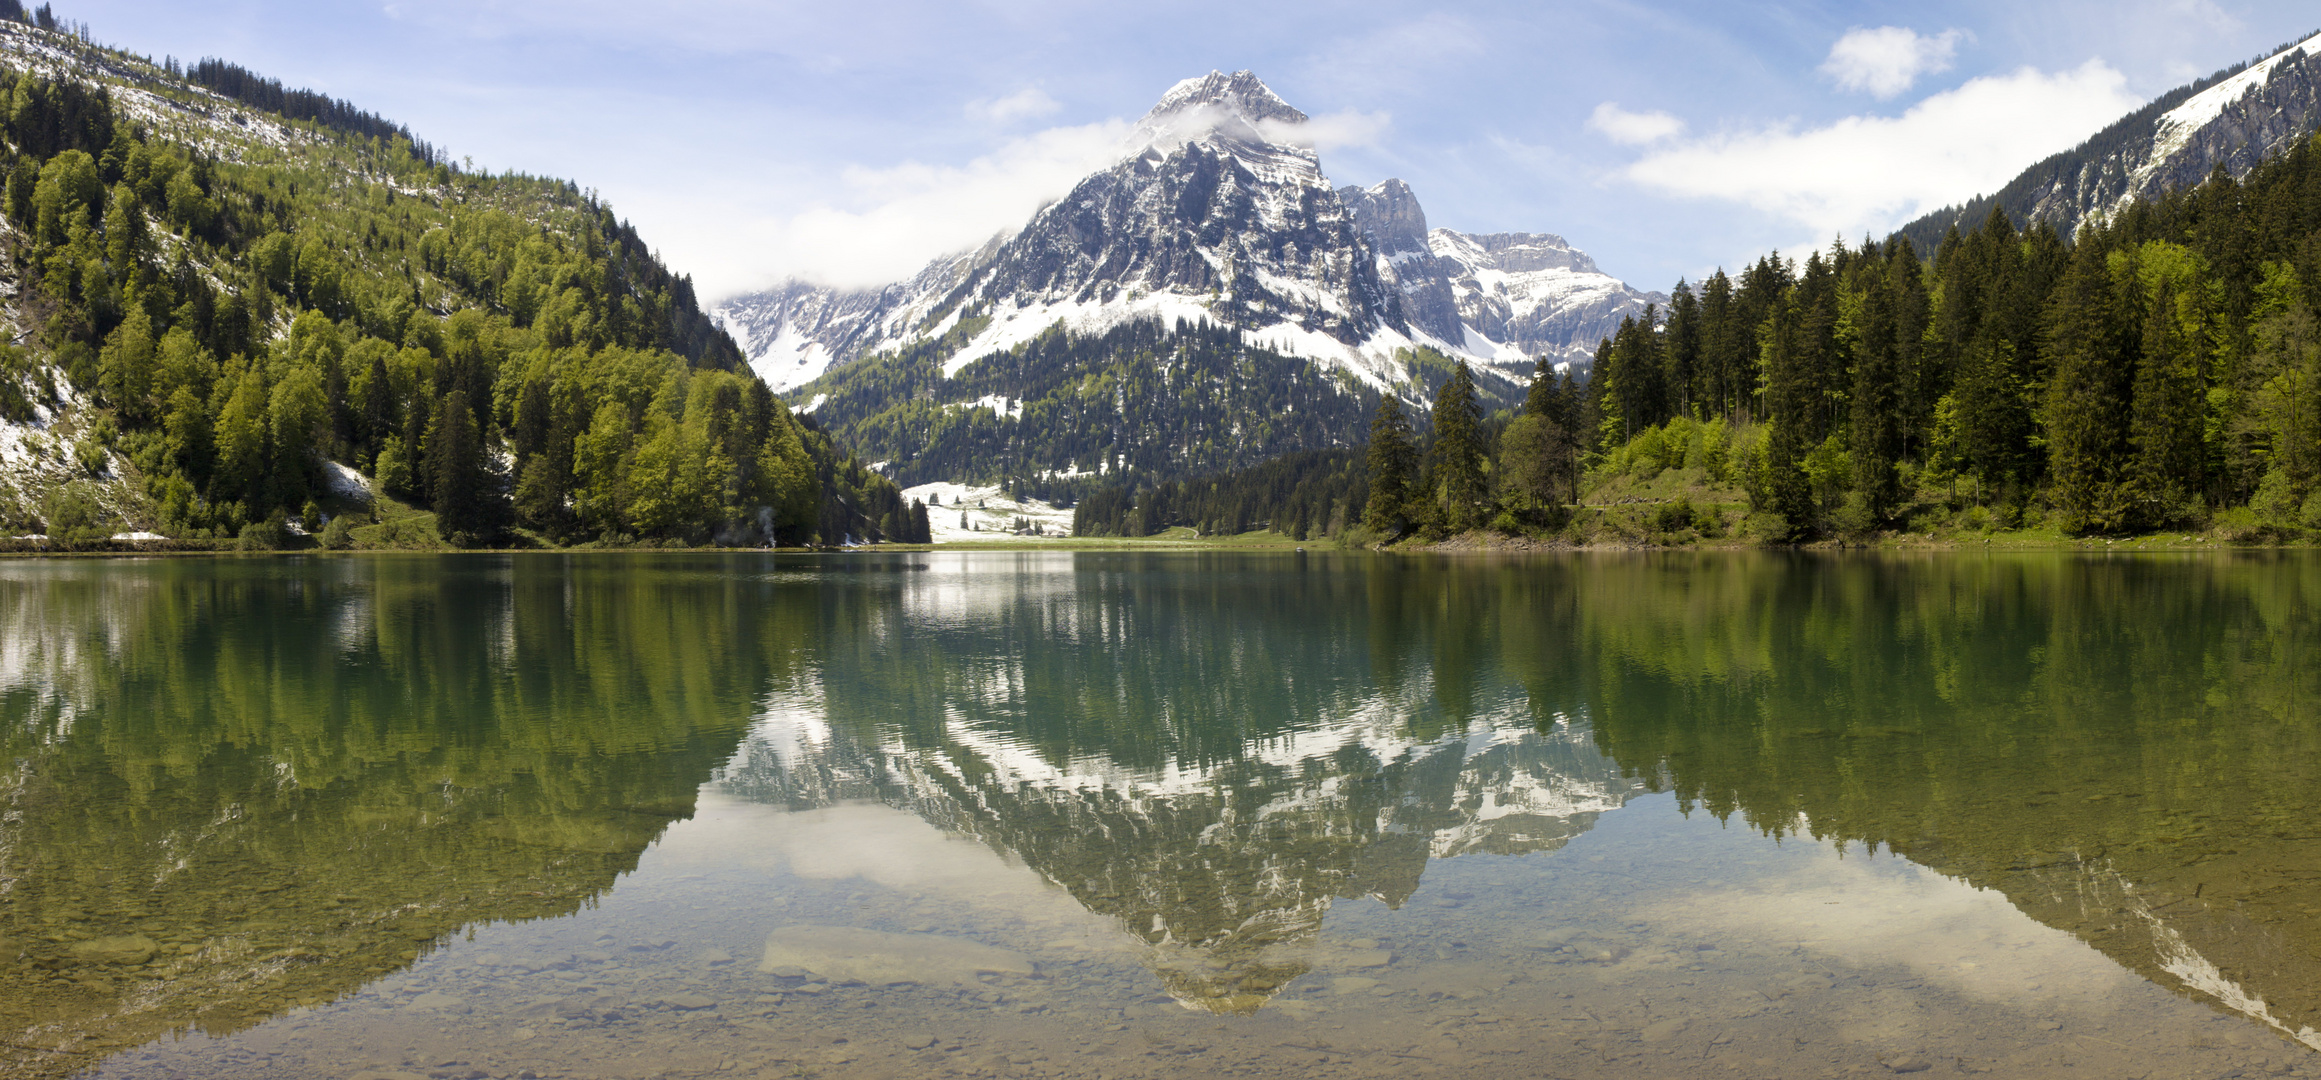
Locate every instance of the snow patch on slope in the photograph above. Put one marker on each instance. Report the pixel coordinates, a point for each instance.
(2177, 127)
(986, 510)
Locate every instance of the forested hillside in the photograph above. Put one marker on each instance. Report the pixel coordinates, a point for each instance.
(225, 287)
(2155, 373)
(2160, 370)
(1065, 413)
(1311, 493)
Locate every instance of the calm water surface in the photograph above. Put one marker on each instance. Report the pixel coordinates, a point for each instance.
(1119, 815)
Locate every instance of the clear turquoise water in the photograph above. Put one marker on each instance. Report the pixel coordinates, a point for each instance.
(1156, 815)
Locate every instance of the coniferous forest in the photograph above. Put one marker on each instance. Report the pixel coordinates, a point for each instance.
(230, 320)
(2160, 370)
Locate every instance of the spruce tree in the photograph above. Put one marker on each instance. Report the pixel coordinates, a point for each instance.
(1789, 404)
(1539, 399)
(2166, 430)
(1392, 458)
(1571, 416)
(1918, 391)
(457, 454)
(1723, 338)
(1458, 452)
(1682, 354)
(2087, 400)
(1875, 438)
(378, 413)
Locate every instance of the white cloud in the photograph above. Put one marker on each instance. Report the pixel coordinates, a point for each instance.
(891, 220)
(1872, 173)
(895, 218)
(1023, 104)
(1633, 128)
(1885, 61)
(1343, 130)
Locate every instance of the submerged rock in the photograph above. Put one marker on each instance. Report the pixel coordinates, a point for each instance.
(124, 949)
(852, 954)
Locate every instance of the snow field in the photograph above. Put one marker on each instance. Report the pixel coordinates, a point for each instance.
(987, 508)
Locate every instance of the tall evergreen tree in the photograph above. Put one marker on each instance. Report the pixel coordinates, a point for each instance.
(1458, 457)
(1912, 310)
(457, 453)
(1682, 352)
(1392, 459)
(1724, 341)
(2166, 429)
(2087, 396)
(1875, 436)
(1789, 400)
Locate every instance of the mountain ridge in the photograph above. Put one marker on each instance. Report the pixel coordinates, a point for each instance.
(1267, 253)
(2234, 118)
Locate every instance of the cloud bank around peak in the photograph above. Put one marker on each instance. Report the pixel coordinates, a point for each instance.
(895, 218)
(1341, 130)
(1869, 174)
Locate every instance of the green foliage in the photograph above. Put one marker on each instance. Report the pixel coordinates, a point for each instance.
(500, 347)
(1065, 414)
(1673, 517)
(2157, 370)
(338, 535)
(267, 535)
(1312, 495)
(1392, 460)
(72, 512)
(1458, 453)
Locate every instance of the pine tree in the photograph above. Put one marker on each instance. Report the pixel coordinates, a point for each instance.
(2087, 396)
(1391, 460)
(457, 454)
(1875, 438)
(1571, 417)
(1789, 403)
(1718, 381)
(1458, 452)
(2166, 429)
(1683, 360)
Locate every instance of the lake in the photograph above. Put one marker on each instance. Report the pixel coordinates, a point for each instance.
(1161, 815)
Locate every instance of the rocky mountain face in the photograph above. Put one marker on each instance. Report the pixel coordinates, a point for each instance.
(1169, 854)
(2233, 119)
(1502, 297)
(1217, 211)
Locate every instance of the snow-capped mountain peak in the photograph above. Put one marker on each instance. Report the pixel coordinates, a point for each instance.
(1236, 115)
(1218, 214)
(1240, 94)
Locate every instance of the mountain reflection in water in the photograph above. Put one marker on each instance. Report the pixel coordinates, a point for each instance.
(240, 787)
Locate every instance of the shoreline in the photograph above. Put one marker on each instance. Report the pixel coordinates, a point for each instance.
(1465, 544)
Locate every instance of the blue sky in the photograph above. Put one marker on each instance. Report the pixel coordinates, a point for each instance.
(851, 141)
